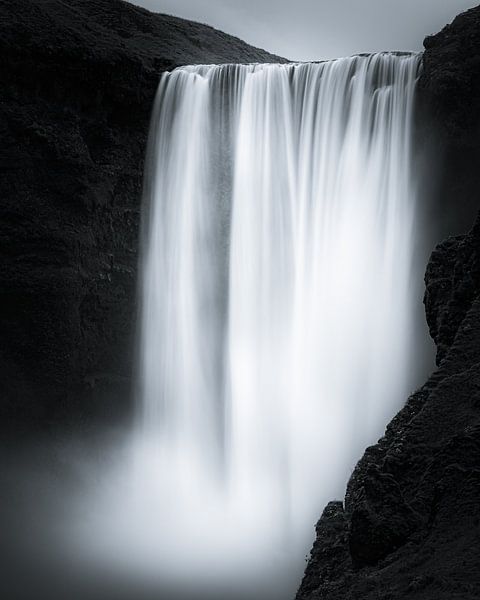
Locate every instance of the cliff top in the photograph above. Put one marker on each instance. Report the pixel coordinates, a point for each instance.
(94, 29)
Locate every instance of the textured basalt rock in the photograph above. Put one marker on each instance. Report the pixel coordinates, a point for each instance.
(409, 526)
(78, 79)
(452, 282)
(450, 89)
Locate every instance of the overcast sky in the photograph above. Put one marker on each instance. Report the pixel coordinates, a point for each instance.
(318, 29)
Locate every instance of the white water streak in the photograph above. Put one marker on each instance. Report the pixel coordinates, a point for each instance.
(276, 297)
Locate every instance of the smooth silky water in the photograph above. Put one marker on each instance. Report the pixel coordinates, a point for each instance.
(277, 322)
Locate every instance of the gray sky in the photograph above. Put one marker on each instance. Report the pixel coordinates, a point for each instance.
(318, 29)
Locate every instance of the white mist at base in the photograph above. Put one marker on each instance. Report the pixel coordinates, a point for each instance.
(277, 310)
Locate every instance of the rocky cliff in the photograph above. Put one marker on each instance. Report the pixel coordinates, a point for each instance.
(78, 80)
(409, 526)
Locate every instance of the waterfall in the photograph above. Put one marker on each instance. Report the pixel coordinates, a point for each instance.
(276, 327)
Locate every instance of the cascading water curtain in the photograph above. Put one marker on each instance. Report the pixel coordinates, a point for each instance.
(276, 324)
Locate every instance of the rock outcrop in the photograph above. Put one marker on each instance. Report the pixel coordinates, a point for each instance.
(78, 80)
(409, 526)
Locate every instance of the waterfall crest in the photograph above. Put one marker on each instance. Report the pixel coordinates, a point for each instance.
(276, 297)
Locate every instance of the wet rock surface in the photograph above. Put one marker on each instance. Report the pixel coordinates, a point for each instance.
(409, 526)
(78, 80)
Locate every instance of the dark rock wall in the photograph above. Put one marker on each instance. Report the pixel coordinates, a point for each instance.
(450, 89)
(409, 526)
(77, 82)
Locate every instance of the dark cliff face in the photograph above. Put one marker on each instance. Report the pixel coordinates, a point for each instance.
(78, 80)
(450, 90)
(409, 526)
